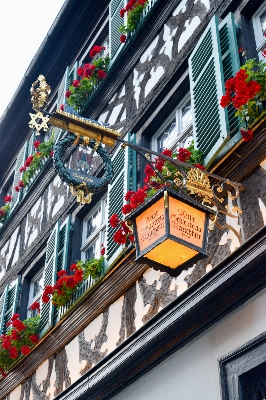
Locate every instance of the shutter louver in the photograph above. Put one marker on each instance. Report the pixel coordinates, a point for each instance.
(115, 21)
(62, 89)
(124, 164)
(214, 56)
(30, 151)
(16, 196)
(11, 302)
(47, 309)
(3, 300)
(62, 255)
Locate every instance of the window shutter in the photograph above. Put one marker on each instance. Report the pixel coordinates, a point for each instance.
(16, 196)
(62, 89)
(62, 255)
(207, 64)
(3, 300)
(30, 151)
(124, 164)
(8, 303)
(115, 21)
(47, 310)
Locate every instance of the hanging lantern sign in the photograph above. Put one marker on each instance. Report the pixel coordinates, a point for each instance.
(171, 231)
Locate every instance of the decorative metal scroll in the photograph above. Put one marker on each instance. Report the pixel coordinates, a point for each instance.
(81, 184)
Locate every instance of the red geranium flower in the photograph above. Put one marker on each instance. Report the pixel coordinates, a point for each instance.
(34, 338)
(199, 166)
(13, 352)
(21, 184)
(76, 83)
(2, 212)
(114, 221)
(49, 289)
(62, 107)
(123, 38)
(68, 94)
(61, 273)
(96, 50)
(7, 199)
(122, 12)
(14, 316)
(103, 251)
(101, 74)
(17, 188)
(15, 335)
(120, 237)
(19, 325)
(73, 267)
(28, 161)
(25, 350)
(45, 298)
(36, 144)
(80, 71)
(247, 134)
(22, 169)
(127, 208)
(35, 306)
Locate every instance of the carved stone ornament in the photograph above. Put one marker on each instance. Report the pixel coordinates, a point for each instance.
(81, 184)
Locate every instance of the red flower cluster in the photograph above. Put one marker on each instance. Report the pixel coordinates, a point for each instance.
(85, 72)
(62, 285)
(238, 90)
(123, 38)
(247, 134)
(36, 144)
(2, 212)
(96, 50)
(183, 154)
(35, 306)
(19, 186)
(7, 199)
(124, 232)
(131, 5)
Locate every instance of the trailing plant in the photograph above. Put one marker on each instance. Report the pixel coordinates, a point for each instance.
(90, 76)
(67, 284)
(153, 182)
(246, 92)
(34, 162)
(134, 10)
(4, 209)
(18, 340)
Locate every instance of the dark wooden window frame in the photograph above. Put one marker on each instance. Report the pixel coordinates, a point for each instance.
(236, 363)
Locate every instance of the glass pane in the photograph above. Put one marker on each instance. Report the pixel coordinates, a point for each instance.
(186, 117)
(263, 22)
(94, 222)
(166, 139)
(38, 285)
(93, 251)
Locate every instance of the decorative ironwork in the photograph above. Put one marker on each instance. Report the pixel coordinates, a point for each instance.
(40, 95)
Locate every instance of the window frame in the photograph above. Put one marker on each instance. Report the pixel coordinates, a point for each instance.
(182, 134)
(37, 297)
(259, 38)
(99, 232)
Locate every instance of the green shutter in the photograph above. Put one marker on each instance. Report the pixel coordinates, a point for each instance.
(62, 255)
(207, 64)
(115, 21)
(3, 300)
(72, 74)
(124, 179)
(16, 196)
(50, 269)
(11, 302)
(30, 151)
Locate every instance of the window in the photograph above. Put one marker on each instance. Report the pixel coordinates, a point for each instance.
(36, 288)
(243, 371)
(93, 236)
(177, 131)
(259, 24)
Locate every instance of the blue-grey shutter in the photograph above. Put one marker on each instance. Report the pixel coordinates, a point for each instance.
(211, 128)
(62, 255)
(115, 21)
(11, 302)
(61, 98)
(124, 164)
(16, 196)
(30, 151)
(50, 269)
(3, 300)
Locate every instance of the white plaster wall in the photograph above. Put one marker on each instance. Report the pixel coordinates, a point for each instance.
(192, 372)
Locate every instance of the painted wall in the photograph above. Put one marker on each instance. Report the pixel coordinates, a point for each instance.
(192, 372)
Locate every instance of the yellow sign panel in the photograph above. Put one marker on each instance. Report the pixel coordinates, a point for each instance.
(186, 222)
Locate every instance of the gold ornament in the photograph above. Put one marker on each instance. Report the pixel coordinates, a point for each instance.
(82, 193)
(197, 182)
(38, 126)
(40, 95)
